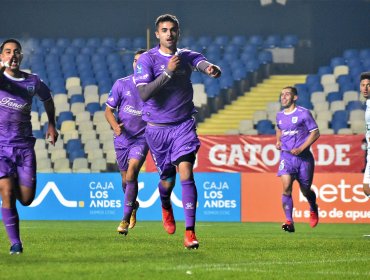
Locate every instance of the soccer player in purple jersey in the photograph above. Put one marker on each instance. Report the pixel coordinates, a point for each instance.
(295, 133)
(129, 141)
(365, 91)
(162, 76)
(17, 155)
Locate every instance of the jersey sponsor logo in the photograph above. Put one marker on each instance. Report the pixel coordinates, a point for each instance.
(131, 110)
(52, 187)
(11, 103)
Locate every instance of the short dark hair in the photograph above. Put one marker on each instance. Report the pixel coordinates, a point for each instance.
(140, 51)
(11, 40)
(292, 89)
(364, 76)
(166, 17)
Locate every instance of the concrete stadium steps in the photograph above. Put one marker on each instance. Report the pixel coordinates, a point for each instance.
(244, 106)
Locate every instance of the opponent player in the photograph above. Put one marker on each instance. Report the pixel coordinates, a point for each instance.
(162, 76)
(296, 131)
(365, 90)
(129, 141)
(17, 155)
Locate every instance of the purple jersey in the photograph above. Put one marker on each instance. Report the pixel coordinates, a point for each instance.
(15, 108)
(124, 97)
(295, 127)
(174, 101)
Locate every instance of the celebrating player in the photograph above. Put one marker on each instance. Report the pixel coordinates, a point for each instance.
(129, 141)
(365, 90)
(162, 76)
(296, 131)
(17, 155)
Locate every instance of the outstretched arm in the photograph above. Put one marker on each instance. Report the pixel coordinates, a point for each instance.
(210, 69)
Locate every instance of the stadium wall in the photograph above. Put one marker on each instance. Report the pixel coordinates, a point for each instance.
(325, 27)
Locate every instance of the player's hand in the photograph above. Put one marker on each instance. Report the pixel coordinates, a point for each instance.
(214, 71)
(118, 129)
(296, 151)
(278, 145)
(52, 135)
(173, 63)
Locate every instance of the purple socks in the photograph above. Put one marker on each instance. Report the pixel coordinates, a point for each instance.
(11, 223)
(287, 202)
(130, 199)
(189, 202)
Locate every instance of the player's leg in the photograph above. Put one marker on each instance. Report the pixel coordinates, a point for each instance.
(286, 173)
(305, 177)
(159, 139)
(10, 214)
(287, 202)
(185, 146)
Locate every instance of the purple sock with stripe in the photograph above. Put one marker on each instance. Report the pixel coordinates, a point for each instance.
(11, 223)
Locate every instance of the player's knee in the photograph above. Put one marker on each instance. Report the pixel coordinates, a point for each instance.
(26, 201)
(367, 190)
(186, 158)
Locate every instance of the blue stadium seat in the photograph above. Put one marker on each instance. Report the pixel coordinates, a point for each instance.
(74, 144)
(63, 42)
(256, 40)
(265, 127)
(338, 124)
(265, 57)
(64, 116)
(239, 40)
(124, 43)
(289, 41)
(312, 79)
(76, 98)
(355, 105)
(72, 155)
(272, 41)
(324, 70)
(109, 42)
(335, 61)
(306, 103)
(187, 41)
(222, 40)
(350, 53)
(197, 78)
(333, 96)
(38, 134)
(205, 41)
(78, 42)
(94, 42)
(93, 107)
(364, 53)
(139, 43)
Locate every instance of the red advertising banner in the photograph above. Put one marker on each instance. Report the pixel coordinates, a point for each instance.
(245, 154)
(340, 198)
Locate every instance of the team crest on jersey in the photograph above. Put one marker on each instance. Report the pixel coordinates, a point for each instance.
(294, 119)
(31, 90)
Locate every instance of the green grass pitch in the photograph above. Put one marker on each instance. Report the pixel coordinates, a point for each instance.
(93, 250)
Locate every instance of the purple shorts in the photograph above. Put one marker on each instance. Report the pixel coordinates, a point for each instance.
(137, 149)
(20, 163)
(301, 168)
(168, 143)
